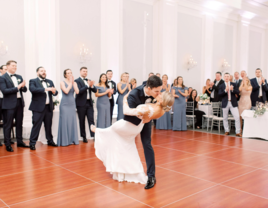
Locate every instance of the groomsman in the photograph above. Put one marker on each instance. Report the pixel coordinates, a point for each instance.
(214, 88)
(259, 88)
(227, 91)
(237, 81)
(12, 86)
(151, 74)
(84, 102)
(42, 106)
(3, 70)
(112, 85)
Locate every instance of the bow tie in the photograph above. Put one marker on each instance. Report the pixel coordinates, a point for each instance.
(13, 75)
(109, 81)
(147, 97)
(43, 80)
(85, 79)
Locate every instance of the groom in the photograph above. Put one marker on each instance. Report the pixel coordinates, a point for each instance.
(136, 97)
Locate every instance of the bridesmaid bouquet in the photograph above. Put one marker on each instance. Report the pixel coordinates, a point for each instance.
(56, 102)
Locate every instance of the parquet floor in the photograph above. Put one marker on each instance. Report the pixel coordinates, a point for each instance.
(193, 170)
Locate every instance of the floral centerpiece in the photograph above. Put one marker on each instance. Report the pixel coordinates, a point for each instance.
(260, 109)
(204, 98)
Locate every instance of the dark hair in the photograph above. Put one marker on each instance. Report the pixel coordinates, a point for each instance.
(126, 73)
(1, 67)
(65, 72)
(106, 83)
(109, 70)
(154, 81)
(183, 86)
(189, 88)
(39, 68)
(192, 94)
(83, 67)
(226, 73)
(258, 69)
(218, 73)
(11, 61)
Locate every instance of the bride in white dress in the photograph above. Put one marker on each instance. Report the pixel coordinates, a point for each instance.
(115, 146)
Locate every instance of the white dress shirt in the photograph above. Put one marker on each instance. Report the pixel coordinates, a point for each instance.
(15, 82)
(111, 86)
(229, 91)
(213, 91)
(86, 83)
(260, 90)
(1, 94)
(45, 86)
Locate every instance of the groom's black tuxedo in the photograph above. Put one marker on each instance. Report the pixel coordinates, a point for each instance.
(42, 112)
(84, 106)
(137, 97)
(12, 106)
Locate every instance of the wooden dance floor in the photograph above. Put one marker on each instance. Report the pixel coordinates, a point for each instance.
(193, 170)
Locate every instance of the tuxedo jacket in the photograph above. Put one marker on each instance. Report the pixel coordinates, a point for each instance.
(224, 95)
(216, 98)
(114, 87)
(39, 95)
(144, 83)
(255, 91)
(84, 90)
(10, 91)
(136, 97)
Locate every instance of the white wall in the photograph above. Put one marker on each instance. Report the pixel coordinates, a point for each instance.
(133, 38)
(189, 42)
(79, 24)
(12, 32)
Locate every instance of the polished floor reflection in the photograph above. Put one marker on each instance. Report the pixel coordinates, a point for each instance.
(193, 170)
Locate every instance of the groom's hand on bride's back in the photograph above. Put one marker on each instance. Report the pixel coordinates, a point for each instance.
(146, 120)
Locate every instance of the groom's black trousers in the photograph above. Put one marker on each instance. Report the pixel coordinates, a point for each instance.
(148, 149)
(38, 117)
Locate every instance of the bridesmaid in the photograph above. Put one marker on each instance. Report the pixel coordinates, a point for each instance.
(245, 100)
(67, 132)
(164, 122)
(206, 89)
(103, 104)
(123, 88)
(180, 92)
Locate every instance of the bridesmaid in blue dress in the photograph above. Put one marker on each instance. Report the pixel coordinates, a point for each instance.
(164, 122)
(67, 131)
(180, 92)
(123, 88)
(103, 103)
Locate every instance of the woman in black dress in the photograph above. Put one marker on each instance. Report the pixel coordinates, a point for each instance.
(206, 88)
(199, 114)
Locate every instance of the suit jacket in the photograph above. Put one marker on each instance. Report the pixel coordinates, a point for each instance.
(81, 98)
(238, 85)
(39, 95)
(224, 95)
(114, 87)
(10, 91)
(216, 98)
(144, 83)
(255, 91)
(135, 98)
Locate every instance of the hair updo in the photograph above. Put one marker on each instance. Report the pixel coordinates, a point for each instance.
(167, 101)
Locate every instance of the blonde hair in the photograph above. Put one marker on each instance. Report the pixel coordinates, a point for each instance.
(165, 76)
(249, 84)
(167, 101)
(133, 79)
(122, 76)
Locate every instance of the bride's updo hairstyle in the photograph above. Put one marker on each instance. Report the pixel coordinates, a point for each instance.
(167, 101)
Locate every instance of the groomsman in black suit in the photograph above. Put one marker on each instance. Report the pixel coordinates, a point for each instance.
(84, 102)
(3, 70)
(151, 74)
(42, 106)
(112, 85)
(12, 86)
(259, 88)
(214, 88)
(237, 81)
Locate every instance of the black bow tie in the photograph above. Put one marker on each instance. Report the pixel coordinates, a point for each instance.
(85, 79)
(13, 75)
(43, 80)
(109, 81)
(147, 97)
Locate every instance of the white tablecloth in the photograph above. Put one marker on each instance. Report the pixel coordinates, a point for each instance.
(255, 127)
(207, 109)
(27, 126)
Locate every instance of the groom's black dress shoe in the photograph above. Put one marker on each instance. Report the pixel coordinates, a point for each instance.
(9, 149)
(22, 145)
(150, 183)
(32, 147)
(52, 144)
(85, 140)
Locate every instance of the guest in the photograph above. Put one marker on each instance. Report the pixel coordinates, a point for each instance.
(150, 74)
(158, 74)
(231, 78)
(3, 70)
(206, 89)
(180, 92)
(133, 83)
(103, 104)
(84, 103)
(227, 91)
(245, 102)
(189, 92)
(164, 122)
(243, 74)
(237, 81)
(214, 88)
(12, 85)
(112, 86)
(199, 114)
(123, 88)
(259, 88)
(175, 83)
(42, 106)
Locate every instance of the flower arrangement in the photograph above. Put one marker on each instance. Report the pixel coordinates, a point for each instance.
(260, 109)
(203, 96)
(56, 102)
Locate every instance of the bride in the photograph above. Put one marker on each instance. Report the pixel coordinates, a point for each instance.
(115, 146)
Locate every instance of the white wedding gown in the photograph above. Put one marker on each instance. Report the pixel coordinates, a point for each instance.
(115, 147)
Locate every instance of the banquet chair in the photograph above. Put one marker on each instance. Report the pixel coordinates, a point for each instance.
(190, 111)
(218, 119)
(215, 112)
